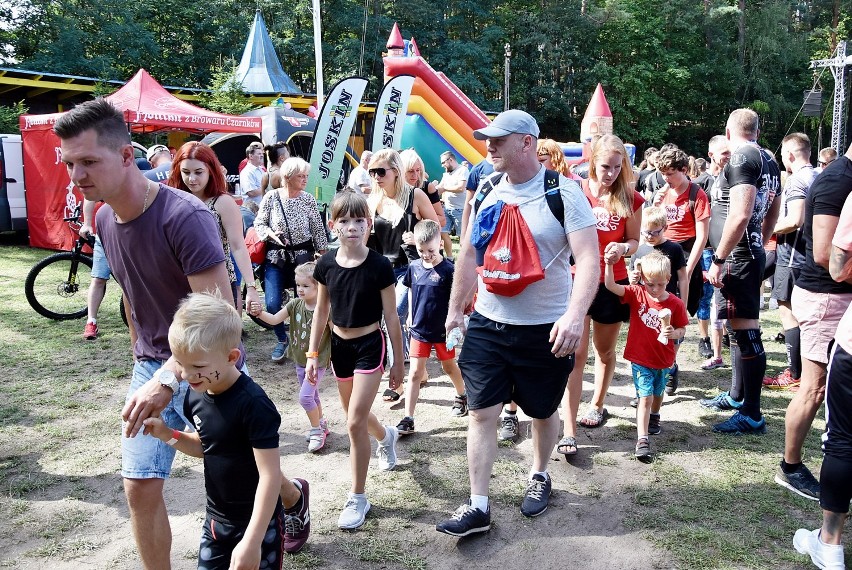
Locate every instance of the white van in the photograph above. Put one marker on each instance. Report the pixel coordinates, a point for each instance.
(13, 205)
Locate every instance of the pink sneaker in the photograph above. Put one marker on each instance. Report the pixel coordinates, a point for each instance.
(91, 331)
(784, 381)
(712, 363)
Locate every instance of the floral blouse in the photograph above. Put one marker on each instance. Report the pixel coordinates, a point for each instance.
(229, 262)
(300, 213)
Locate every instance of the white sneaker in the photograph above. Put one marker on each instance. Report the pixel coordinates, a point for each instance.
(828, 556)
(354, 512)
(387, 453)
(323, 425)
(317, 439)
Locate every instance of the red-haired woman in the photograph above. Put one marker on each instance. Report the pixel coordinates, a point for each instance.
(197, 170)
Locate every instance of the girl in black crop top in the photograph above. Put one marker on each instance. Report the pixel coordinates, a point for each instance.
(356, 284)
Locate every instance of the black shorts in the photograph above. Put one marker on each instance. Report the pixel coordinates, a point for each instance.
(785, 278)
(740, 295)
(607, 308)
(501, 363)
(363, 355)
(218, 540)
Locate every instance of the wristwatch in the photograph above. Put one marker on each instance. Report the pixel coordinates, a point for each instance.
(167, 378)
(719, 260)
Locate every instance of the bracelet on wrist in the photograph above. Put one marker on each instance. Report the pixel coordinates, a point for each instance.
(312, 354)
(175, 437)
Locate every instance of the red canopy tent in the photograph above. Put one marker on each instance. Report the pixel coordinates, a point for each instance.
(147, 108)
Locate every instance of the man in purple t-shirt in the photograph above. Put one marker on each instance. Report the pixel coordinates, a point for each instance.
(161, 244)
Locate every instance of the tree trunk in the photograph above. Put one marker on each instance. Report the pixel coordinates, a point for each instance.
(741, 36)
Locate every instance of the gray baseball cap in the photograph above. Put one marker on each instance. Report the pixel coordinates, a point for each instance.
(506, 123)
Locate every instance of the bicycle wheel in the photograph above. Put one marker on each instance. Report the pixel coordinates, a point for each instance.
(57, 287)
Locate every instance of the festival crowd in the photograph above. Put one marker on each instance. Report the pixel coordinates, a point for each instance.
(551, 259)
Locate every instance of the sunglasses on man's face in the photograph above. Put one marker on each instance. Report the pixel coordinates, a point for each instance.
(380, 172)
(821, 163)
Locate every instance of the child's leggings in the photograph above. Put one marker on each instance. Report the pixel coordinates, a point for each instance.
(308, 394)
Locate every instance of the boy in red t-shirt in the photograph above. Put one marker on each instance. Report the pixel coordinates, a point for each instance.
(657, 319)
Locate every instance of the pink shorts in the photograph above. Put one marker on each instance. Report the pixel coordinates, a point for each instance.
(818, 315)
(419, 349)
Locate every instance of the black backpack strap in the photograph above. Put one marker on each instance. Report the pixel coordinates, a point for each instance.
(554, 196)
(693, 196)
(485, 187)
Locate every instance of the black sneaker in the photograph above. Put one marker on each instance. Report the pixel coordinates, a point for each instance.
(405, 426)
(704, 348)
(672, 382)
(643, 451)
(537, 496)
(654, 424)
(509, 427)
(800, 481)
(721, 403)
(466, 520)
(459, 409)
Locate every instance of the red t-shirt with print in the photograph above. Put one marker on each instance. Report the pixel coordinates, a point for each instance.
(643, 348)
(611, 228)
(681, 222)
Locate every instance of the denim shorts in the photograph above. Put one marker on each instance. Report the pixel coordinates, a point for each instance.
(647, 381)
(454, 221)
(145, 456)
(100, 266)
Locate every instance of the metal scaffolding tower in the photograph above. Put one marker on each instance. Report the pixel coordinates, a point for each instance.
(837, 65)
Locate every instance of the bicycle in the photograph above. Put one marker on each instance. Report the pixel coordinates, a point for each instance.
(57, 286)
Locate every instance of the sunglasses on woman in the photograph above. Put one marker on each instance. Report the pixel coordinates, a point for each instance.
(380, 172)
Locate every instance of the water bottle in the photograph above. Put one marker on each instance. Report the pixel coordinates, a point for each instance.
(454, 338)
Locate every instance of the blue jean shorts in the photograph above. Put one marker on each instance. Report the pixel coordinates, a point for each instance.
(100, 266)
(145, 456)
(648, 381)
(454, 221)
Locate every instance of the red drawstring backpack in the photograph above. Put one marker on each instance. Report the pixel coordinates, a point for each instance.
(511, 258)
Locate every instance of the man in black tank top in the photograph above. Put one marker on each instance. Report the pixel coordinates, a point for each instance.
(743, 215)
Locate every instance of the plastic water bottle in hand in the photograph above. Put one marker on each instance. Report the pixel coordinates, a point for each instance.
(454, 338)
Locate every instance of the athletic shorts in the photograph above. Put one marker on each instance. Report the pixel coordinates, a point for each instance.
(835, 490)
(648, 381)
(218, 540)
(363, 355)
(100, 266)
(607, 308)
(740, 295)
(818, 315)
(785, 278)
(419, 349)
(501, 363)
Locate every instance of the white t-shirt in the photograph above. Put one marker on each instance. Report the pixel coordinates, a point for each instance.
(546, 300)
(250, 179)
(460, 174)
(357, 178)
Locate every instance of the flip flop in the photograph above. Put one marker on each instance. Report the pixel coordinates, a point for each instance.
(567, 446)
(391, 395)
(594, 418)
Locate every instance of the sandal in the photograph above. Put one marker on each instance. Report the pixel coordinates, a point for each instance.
(391, 395)
(567, 446)
(594, 418)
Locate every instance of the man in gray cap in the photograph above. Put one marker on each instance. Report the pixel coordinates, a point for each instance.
(521, 347)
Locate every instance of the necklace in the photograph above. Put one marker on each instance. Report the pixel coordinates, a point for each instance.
(144, 202)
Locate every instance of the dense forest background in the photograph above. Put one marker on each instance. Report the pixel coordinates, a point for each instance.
(672, 70)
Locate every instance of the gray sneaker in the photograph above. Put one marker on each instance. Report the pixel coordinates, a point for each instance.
(509, 427)
(800, 481)
(387, 453)
(354, 513)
